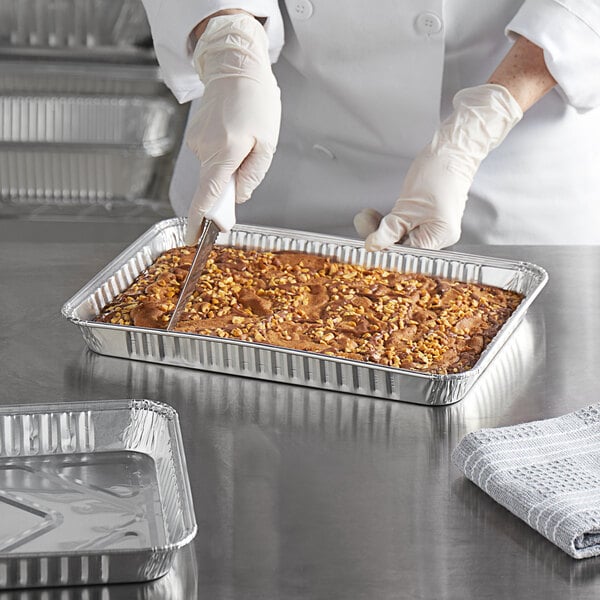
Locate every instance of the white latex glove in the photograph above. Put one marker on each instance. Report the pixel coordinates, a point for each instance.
(429, 211)
(235, 130)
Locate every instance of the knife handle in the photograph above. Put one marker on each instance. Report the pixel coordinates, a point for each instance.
(222, 213)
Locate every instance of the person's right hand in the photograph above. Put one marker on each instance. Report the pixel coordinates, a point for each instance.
(235, 130)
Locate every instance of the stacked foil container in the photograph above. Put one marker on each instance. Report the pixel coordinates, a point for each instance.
(87, 128)
(89, 24)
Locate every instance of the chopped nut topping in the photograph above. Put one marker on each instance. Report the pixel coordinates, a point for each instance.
(314, 303)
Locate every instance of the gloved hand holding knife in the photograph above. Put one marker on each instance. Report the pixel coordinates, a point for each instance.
(234, 133)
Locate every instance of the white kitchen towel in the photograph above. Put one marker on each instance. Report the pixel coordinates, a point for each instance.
(545, 472)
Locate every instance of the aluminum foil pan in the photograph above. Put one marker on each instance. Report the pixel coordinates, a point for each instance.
(84, 119)
(73, 24)
(180, 583)
(68, 77)
(91, 492)
(272, 363)
(84, 149)
(86, 139)
(77, 175)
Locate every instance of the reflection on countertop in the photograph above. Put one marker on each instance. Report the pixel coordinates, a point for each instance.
(301, 493)
(222, 398)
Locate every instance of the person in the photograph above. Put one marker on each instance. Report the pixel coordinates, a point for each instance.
(421, 104)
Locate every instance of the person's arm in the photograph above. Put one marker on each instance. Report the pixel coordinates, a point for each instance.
(429, 211)
(523, 72)
(172, 22)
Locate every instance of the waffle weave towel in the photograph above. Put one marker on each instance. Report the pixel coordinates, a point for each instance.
(545, 472)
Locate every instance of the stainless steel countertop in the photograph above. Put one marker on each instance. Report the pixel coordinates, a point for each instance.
(307, 494)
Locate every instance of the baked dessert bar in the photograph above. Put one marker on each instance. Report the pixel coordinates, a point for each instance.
(313, 303)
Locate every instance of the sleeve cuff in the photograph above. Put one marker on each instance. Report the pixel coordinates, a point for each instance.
(568, 31)
(171, 29)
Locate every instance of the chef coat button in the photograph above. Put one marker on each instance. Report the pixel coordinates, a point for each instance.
(301, 9)
(428, 23)
(323, 151)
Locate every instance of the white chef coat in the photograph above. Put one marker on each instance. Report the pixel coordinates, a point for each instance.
(364, 86)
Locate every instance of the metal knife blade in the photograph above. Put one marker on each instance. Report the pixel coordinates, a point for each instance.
(207, 240)
(220, 218)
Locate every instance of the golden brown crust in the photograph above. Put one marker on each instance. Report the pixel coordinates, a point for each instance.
(313, 303)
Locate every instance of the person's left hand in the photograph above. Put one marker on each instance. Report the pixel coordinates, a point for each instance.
(429, 211)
